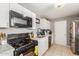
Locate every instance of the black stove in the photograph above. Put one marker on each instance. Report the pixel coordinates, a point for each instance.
(21, 42)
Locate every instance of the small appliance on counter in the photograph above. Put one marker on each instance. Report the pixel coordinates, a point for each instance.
(31, 35)
(42, 33)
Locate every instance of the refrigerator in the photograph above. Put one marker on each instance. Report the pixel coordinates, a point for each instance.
(74, 37)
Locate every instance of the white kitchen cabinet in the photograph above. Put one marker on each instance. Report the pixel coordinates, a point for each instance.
(44, 24)
(16, 7)
(42, 45)
(20, 9)
(27, 12)
(4, 15)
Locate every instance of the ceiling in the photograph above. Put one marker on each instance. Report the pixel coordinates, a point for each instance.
(48, 10)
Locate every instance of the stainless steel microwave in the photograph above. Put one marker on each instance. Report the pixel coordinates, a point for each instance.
(17, 20)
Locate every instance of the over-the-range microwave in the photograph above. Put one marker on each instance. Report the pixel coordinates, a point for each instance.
(17, 20)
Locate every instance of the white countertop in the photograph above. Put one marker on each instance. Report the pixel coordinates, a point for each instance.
(6, 50)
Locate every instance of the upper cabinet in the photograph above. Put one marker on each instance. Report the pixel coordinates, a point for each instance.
(16, 7)
(16, 12)
(44, 23)
(25, 13)
(4, 15)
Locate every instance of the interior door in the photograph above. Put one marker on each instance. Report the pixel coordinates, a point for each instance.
(60, 32)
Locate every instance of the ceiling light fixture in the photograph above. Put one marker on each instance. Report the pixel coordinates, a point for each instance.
(59, 4)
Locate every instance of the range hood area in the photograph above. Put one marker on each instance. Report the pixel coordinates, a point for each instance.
(17, 20)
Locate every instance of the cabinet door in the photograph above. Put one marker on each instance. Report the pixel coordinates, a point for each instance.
(42, 23)
(40, 47)
(47, 24)
(27, 12)
(46, 43)
(4, 14)
(43, 46)
(16, 7)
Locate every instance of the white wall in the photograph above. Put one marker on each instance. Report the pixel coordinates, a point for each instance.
(69, 19)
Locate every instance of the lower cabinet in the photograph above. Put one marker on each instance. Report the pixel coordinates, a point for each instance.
(42, 45)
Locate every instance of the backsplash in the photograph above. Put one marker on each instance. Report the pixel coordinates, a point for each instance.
(16, 30)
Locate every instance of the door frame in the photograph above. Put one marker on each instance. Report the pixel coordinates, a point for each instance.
(66, 31)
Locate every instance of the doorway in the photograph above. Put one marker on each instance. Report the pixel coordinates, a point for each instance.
(60, 28)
